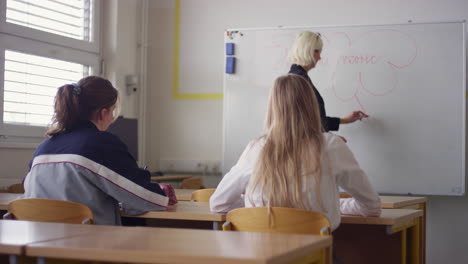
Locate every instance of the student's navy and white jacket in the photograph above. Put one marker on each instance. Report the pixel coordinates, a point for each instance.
(339, 169)
(94, 168)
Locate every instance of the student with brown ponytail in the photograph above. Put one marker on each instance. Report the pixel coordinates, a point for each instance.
(81, 162)
(295, 163)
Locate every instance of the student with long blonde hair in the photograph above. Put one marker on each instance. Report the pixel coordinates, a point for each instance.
(295, 163)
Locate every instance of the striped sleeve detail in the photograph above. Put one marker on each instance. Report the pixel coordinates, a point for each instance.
(106, 174)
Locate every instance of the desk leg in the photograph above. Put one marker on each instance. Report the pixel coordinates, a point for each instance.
(410, 246)
(416, 243)
(404, 239)
(422, 234)
(410, 249)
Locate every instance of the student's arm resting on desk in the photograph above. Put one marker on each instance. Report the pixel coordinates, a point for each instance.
(349, 176)
(228, 194)
(144, 196)
(132, 186)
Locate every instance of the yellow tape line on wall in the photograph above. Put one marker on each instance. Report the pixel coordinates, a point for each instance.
(175, 81)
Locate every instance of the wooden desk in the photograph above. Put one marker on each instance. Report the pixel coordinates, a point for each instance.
(184, 194)
(389, 217)
(410, 202)
(15, 234)
(394, 237)
(169, 245)
(183, 210)
(391, 221)
(388, 202)
(407, 202)
(6, 198)
(187, 210)
(402, 202)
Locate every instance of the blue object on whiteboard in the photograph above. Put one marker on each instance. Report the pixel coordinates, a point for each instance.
(230, 48)
(230, 64)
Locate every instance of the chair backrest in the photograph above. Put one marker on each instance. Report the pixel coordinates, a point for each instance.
(202, 195)
(16, 188)
(48, 210)
(278, 220)
(191, 183)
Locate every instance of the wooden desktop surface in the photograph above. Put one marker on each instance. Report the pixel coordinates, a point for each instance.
(186, 210)
(400, 201)
(184, 194)
(170, 178)
(388, 202)
(171, 245)
(390, 217)
(15, 234)
(183, 210)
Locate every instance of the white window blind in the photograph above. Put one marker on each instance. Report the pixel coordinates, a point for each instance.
(30, 84)
(69, 18)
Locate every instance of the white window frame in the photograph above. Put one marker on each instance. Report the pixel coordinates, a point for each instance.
(35, 34)
(35, 42)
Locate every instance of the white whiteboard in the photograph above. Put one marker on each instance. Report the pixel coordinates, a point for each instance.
(409, 78)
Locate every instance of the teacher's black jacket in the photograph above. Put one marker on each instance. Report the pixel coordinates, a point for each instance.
(329, 123)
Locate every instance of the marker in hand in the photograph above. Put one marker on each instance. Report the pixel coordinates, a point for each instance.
(355, 115)
(361, 115)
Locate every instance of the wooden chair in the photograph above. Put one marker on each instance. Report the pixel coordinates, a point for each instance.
(277, 220)
(48, 210)
(281, 220)
(202, 195)
(16, 188)
(191, 183)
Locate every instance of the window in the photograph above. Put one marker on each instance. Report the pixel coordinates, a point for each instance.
(67, 18)
(30, 86)
(43, 45)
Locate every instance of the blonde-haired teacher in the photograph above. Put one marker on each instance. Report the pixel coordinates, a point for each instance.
(304, 55)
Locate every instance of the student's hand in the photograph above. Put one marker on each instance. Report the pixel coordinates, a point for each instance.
(353, 116)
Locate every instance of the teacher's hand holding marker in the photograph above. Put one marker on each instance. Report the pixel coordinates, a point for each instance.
(354, 116)
(304, 55)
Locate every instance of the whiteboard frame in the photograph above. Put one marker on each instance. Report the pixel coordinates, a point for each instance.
(352, 25)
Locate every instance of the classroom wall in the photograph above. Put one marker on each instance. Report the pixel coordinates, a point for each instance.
(188, 130)
(14, 165)
(120, 50)
(182, 130)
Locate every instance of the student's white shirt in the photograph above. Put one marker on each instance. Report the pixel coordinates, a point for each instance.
(339, 169)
